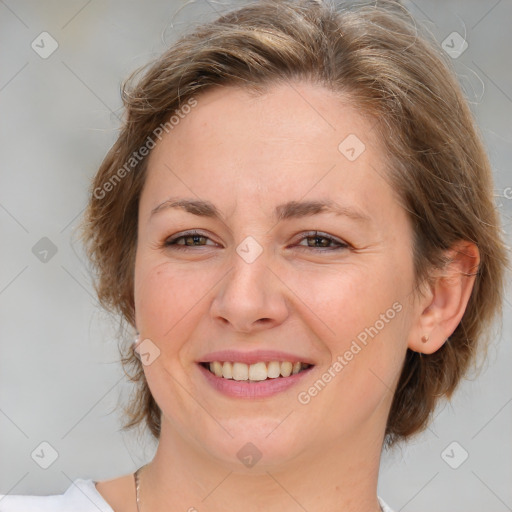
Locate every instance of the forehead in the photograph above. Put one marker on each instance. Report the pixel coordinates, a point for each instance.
(296, 139)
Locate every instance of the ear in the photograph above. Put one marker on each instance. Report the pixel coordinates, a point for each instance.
(442, 305)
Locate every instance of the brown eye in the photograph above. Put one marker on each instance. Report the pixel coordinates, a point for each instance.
(319, 241)
(186, 240)
(193, 239)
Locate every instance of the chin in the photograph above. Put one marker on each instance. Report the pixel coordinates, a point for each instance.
(256, 444)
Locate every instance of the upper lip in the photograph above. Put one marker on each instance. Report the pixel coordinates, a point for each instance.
(253, 357)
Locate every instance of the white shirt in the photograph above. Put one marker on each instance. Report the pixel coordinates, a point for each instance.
(81, 496)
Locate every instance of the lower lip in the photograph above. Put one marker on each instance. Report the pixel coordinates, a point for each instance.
(243, 389)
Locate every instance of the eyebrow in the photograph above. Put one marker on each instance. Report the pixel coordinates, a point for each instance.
(289, 210)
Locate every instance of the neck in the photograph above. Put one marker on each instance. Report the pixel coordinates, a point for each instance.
(341, 476)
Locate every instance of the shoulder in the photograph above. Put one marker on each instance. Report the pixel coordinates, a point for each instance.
(384, 507)
(80, 496)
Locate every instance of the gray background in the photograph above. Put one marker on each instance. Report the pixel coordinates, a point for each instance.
(60, 380)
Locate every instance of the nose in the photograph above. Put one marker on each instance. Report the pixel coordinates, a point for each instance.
(250, 297)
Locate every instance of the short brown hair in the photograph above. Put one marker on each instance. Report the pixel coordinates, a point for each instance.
(376, 56)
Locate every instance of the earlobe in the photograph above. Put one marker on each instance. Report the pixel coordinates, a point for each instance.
(441, 309)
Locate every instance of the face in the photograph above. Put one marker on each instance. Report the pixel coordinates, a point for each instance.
(272, 278)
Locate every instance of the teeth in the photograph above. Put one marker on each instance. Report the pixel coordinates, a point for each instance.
(256, 372)
(273, 370)
(216, 368)
(286, 369)
(227, 370)
(240, 371)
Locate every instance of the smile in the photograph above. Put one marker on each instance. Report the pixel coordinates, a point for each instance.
(256, 372)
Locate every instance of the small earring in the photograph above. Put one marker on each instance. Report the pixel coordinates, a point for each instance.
(424, 338)
(135, 343)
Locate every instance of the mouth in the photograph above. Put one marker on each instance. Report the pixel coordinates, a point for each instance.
(256, 372)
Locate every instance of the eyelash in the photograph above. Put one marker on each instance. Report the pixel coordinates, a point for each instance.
(171, 242)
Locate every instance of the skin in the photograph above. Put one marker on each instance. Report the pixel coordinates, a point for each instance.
(246, 155)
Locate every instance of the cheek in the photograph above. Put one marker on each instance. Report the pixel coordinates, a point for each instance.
(349, 301)
(153, 305)
(169, 298)
(361, 319)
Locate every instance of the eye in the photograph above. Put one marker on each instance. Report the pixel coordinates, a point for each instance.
(319, 241)
(187, 239)
(323, 240)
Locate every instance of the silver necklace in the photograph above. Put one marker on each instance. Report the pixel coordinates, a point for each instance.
(137, 483)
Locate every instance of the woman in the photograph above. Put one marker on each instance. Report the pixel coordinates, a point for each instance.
(297, 222)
